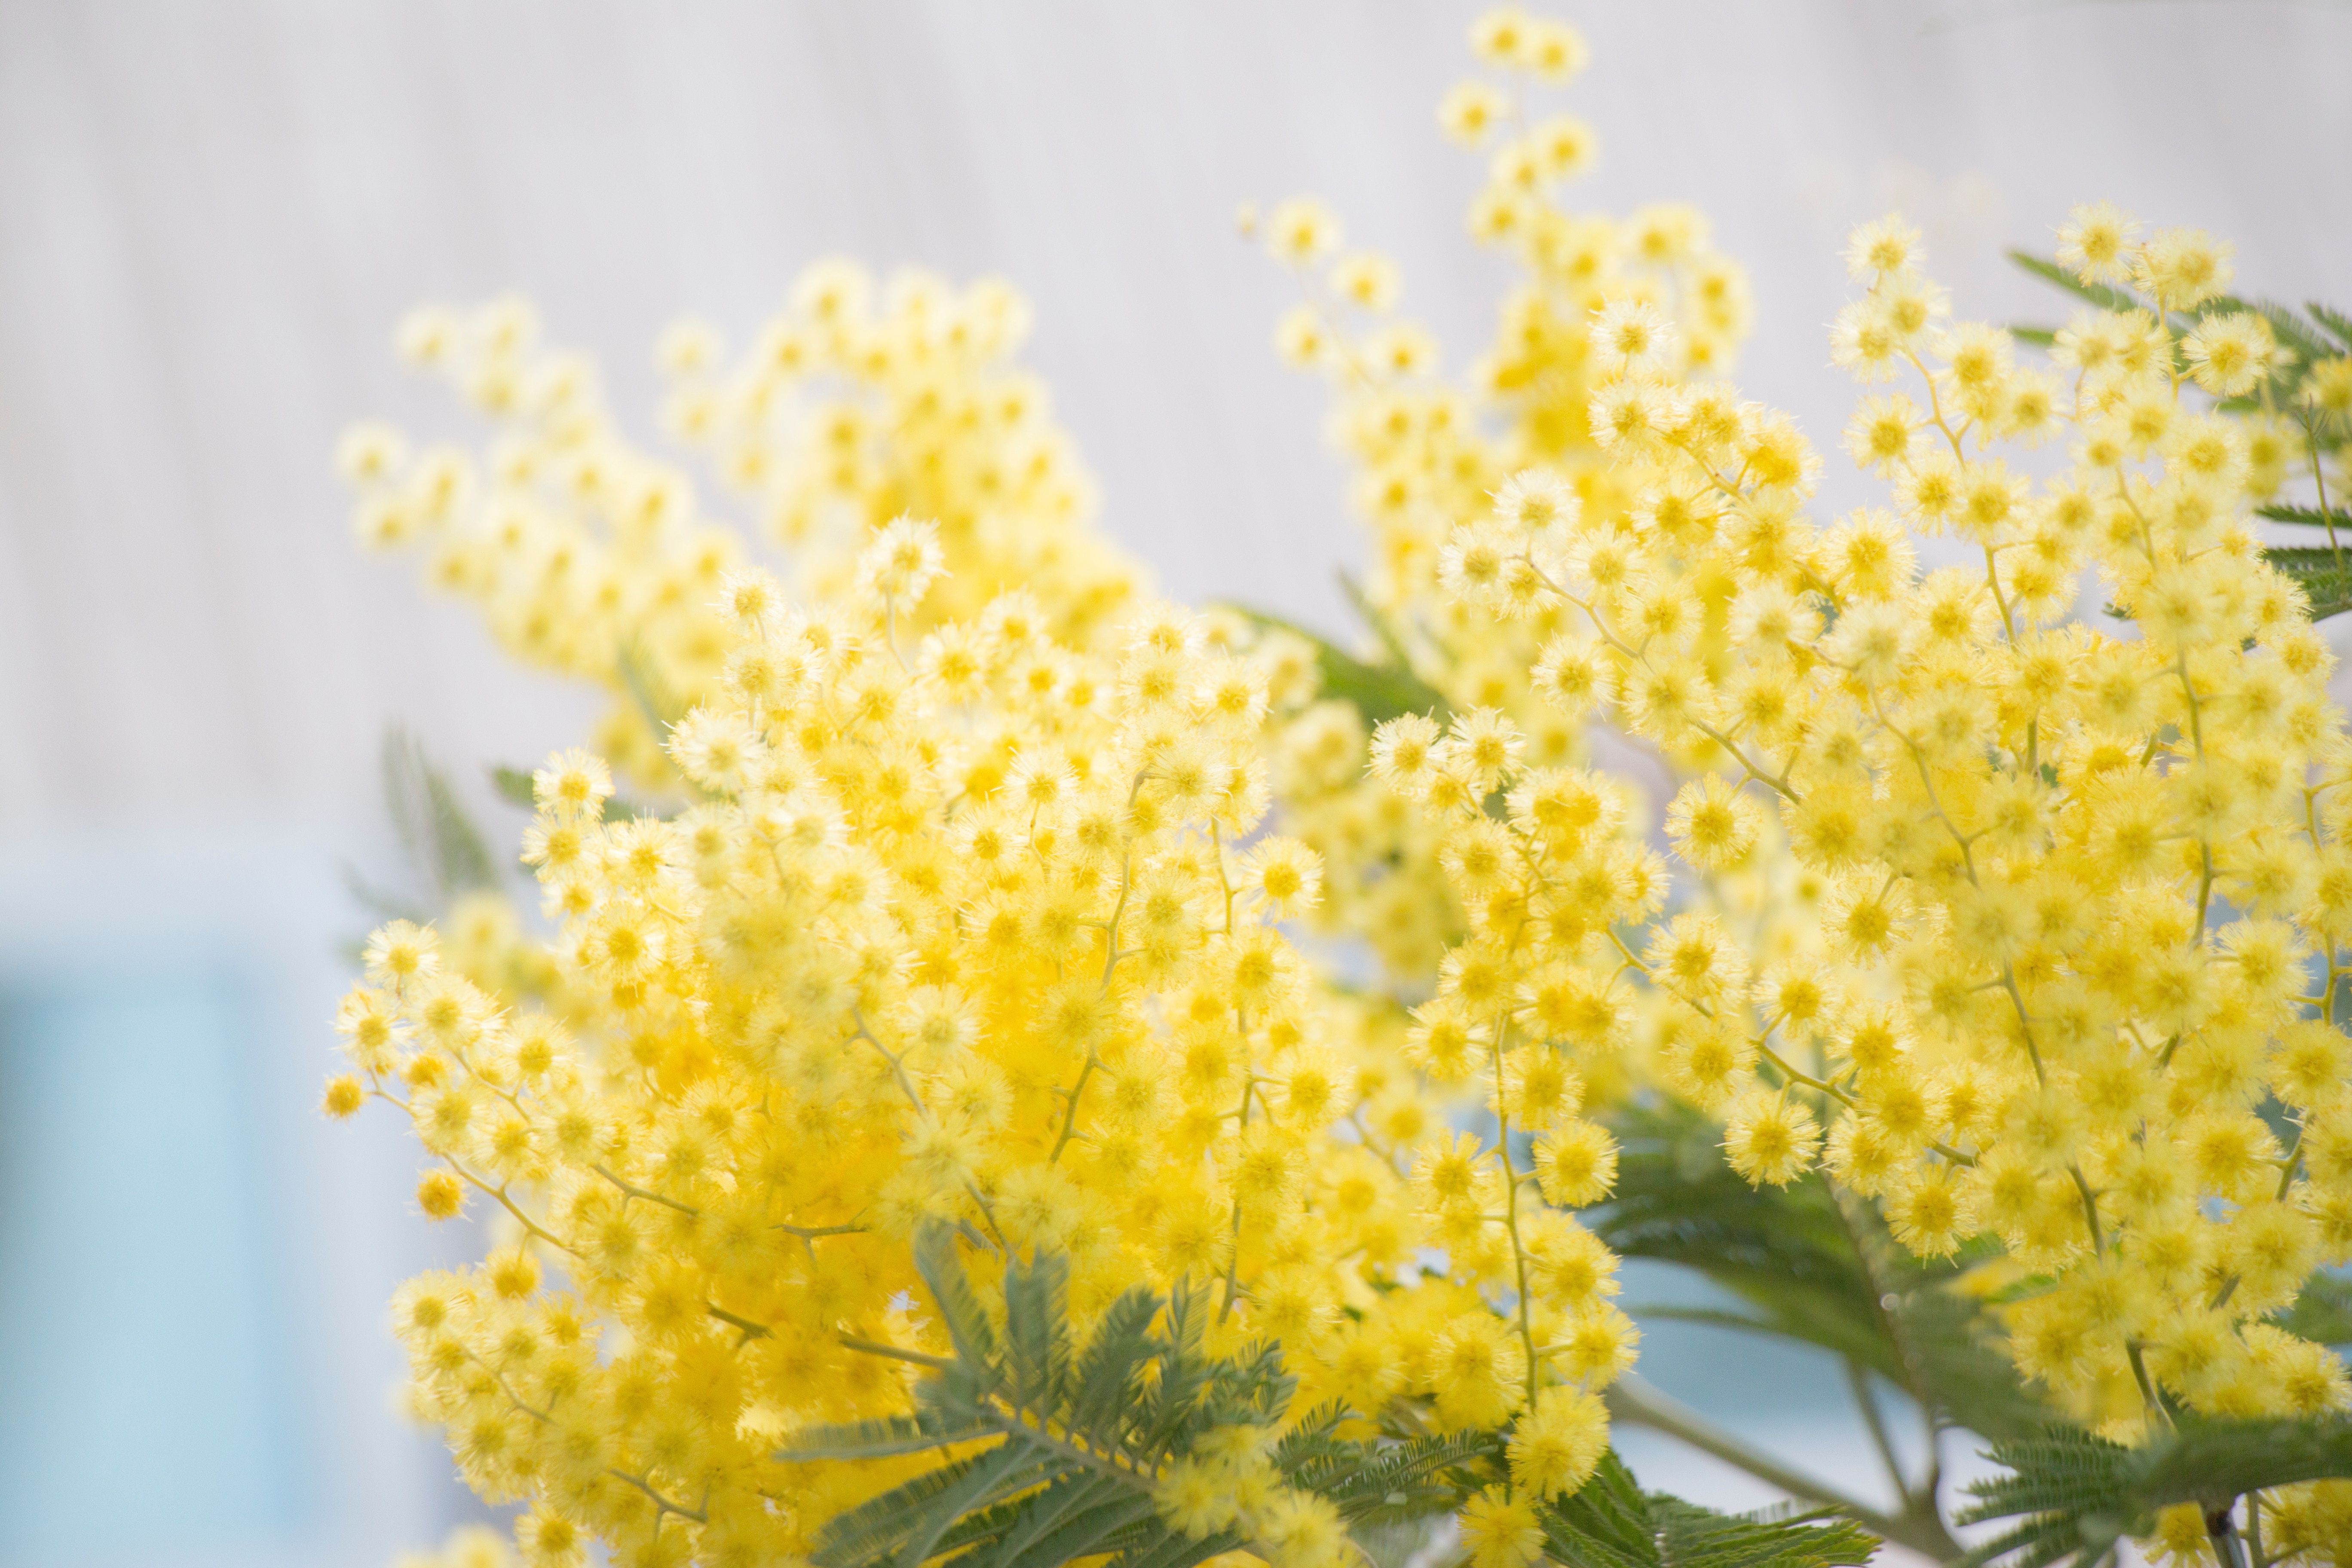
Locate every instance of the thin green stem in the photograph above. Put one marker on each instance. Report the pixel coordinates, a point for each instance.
(1070, 1113)
(2229, 1546)
(647, 1194)
(1511, 1203)
(661, 1503)
(2319, 480)
(752, 1329)
(1632, 1400)
(1857, 1381)
(893, 1352)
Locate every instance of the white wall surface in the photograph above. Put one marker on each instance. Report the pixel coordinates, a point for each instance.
(212, 212)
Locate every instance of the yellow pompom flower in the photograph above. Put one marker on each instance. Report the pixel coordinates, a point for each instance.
(943, 924)
(1556, 1445)
(1501, 1533)
(440, 1195)
(958, 884)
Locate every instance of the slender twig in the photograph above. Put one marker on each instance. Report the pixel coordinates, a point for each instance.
(875, 1347)
(751, 1330)
(2319, 480)
(2229, 1546)
(661, 1503)
(1857, 1378)
(647, 1194)
(1631, 1399)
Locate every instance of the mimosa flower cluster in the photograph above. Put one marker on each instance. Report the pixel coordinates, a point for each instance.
(958, 880)
(592, 558)
(2084, 892)
(956, 932)
(587, 557)
(866, 401)
(1428, 452)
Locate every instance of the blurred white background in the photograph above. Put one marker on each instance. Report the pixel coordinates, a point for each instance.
(212, 212)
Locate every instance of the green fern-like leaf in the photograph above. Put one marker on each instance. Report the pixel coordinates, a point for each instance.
(380, 902)
(514, 786)
(1386, 1485)
(2324, 575)
(1378, 692)
(1691, 1537)
(1052, 1443)
(1807, 1268)
(439, 836)
(2323, 1312)
(2311, 516)
(661, 706)
(1063, 1439)
(882, 1439)
(1786, 1251)
(1611, 1522)
(2335, 321)
(1383, 623)
(1606, 1524)
(2098, 294)
(960, 1307)
(2316, 334)
(2074, 1494)
(2307, 342)
(1036, 1335)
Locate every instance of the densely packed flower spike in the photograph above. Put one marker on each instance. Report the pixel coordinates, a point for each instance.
(1429, 453)
(968, 925)
(950, 885)
(954, 932)
(2084, 893)
(592, 558)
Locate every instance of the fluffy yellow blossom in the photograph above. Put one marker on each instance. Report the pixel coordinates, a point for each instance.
(2058, 858)
(1557, 1443)
(951, 882)
(474, 1546)
(862, 404)
(1501, 1532)
(1516, 435)
(914, 954)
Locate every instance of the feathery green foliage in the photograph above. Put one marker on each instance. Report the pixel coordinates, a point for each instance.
(2075, 1495)
(1063, 1440)
(1808, 1268)
(1812, 1269)
(2098, 294)
(2318, 332)
(437, 836)
(1377, 691)
(2323, 572)
(2322, 1313)
(434, 830)
(1070, 1438)
(662, 706)
(444, 848)
(2310, 516)
(1611, 1523)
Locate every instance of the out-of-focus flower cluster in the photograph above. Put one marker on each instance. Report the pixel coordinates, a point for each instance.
(1429, 451)
(963, 887)
(953, 932)
(2082, 893)
(970, 924)
(592, 558)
